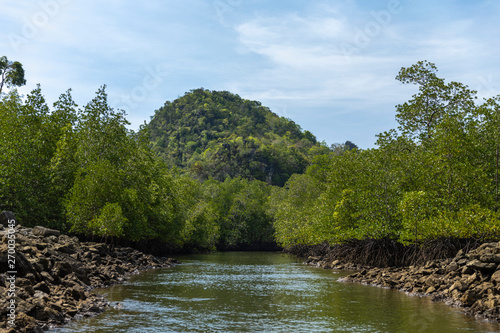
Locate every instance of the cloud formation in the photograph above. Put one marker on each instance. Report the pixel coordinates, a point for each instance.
(328, 65)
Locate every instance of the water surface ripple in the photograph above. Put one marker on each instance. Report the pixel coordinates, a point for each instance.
(265, 292)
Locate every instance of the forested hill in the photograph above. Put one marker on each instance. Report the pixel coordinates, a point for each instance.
(218, 134)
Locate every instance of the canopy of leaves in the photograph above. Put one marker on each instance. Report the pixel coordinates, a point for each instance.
(81, 170)
(11, 73)
(215, 134)
(437, 177)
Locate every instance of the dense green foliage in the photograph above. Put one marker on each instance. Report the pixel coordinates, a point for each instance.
(434, 177)
(199, 175)
(215, 134)
(81, 170)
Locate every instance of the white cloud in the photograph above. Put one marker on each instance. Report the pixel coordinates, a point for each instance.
(306, 53)
(328, 64)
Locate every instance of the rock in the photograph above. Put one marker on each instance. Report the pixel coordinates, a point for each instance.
(77, 292)
(484, 288)
(24, 307)
(41, 246)
(486, 246)
(430, 290)
(453, 266)
(470, 297)
(61, 269)
(490, 258)
(432, 282)
(481, 266)
(491, 303)
(459, 255)
(31, 277)
(27, 322)
(22, 265)
(5, 217)
(42, 286)
(495, 278)
(470, 280)
(47, 277)
(47, 314)
(55, 274)
(53, 239)
(45, 232)
(65, 248)
(40, 294)
(461, 285)
(46, 264)
(101, 249)
(466, 270)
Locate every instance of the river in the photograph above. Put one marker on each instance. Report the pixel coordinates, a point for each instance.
(265, 292)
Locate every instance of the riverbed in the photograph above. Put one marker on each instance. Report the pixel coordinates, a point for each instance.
(265, 292)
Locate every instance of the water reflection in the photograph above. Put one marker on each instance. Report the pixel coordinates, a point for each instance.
(265, 292)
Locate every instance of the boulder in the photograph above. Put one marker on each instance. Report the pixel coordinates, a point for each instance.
(22, 265)
(490, 258)
(453, 266)
(26, 322)
(460, 285)
(485, 246)
(470, 297)
(65, 248)
(55, 274)
(491, 303)
(5, 217)
(61, 269)
(496, 277)
(42, 286)
(484, 288)
(482, 266)
(45, 232)
(47, 277)
(46, 313)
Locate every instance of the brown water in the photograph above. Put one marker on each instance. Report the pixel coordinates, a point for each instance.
(265, 292)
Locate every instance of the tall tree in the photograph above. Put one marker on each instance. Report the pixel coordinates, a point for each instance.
(11, 73)
(419, 116)
(27, 142)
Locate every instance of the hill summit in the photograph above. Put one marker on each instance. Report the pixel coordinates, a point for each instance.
(216, 134)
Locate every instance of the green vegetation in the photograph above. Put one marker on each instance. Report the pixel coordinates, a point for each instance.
(212, 170)
(216, 134)
(434, 177)
(81, 170)
(11, 73)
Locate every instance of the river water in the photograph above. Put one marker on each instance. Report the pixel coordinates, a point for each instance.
(265, 292)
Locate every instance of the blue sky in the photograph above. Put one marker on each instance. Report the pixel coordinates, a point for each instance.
(327, 65)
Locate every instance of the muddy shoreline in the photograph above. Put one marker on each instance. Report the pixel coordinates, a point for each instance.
(55, 275)
(469, 280)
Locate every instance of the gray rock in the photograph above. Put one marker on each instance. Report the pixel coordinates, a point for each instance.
(494, 258)
(45, 232)
(482, 266)
(22, 264)
(5, 216)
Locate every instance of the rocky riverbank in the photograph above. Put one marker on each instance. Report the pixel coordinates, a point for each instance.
(56, 274)
(469, 280)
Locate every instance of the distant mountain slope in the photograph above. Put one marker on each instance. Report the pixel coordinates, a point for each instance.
(218, 134)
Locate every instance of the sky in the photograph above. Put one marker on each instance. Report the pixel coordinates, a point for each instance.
(329, 66)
